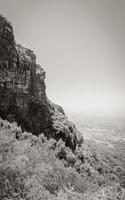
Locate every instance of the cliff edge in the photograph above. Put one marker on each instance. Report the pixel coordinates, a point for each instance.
(23, 92)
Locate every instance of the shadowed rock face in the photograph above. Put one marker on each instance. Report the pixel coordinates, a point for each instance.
(22, 92)
(22, 88)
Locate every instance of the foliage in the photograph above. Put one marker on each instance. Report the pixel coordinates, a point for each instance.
(34, 168)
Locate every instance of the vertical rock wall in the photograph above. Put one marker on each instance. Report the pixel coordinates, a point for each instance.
(22, 88)
(22, 92)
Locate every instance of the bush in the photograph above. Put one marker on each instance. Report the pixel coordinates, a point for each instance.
(30, 169)
(60, 149)
(109, 192)
(71, 158)
(12, 184)
(51, 143)
(79, 154)
(42, 138)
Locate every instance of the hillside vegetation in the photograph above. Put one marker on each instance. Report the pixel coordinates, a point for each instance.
(34, 168)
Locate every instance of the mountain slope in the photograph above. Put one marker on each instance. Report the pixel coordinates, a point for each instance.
(23, 92)
(33, 168)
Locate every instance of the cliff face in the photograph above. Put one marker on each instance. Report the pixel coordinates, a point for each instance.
(22, 88)
(22, 92)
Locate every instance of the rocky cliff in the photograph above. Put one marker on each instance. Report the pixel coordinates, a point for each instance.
(22, 92)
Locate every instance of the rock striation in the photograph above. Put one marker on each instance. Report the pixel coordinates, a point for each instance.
(23, 92)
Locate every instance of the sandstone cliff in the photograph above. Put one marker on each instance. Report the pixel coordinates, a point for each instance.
(22, 92)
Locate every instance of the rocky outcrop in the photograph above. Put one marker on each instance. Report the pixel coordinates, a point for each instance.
(22, 92)
(63, 128)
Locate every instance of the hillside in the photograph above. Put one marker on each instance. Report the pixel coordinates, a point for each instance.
(33, 168)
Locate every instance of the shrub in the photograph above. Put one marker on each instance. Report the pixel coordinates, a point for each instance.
(42, 138)
(12, 184)
(71, 158)
(51, 143)
(25, 135)
(79, 154)
(118, 170)
(30, 169)
(61, 149)
(109, 192)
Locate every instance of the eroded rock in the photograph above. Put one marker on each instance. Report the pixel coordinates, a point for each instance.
(23, 92)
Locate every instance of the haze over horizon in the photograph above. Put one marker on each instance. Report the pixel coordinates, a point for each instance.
(80, 44)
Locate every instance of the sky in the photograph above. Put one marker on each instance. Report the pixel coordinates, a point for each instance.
(80, 44)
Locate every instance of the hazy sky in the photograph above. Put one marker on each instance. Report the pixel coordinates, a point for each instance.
(80, 43)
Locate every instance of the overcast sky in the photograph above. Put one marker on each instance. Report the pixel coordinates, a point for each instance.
(81, 44)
